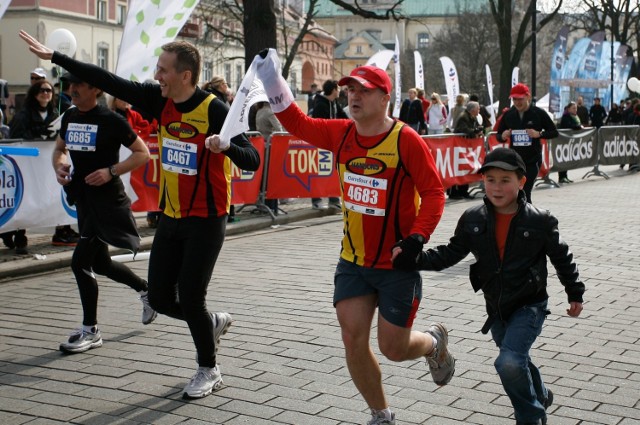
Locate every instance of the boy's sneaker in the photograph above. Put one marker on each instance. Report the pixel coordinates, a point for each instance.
(441, 363)
(81, 341)
(148, 313)
(377, 419)
(206, 380)
(221, 324)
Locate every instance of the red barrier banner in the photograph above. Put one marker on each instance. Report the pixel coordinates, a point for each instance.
(245, 185)
(300, 170)
(145, 180)
(544, 167)
(457, 158)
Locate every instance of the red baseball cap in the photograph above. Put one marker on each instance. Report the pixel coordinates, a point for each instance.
(519, 91)
(370, 77)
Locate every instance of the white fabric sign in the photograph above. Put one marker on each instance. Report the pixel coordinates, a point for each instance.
(150, 24)
(419, 71)
(381, 59)
(396, 58)
(451, 81)
(490, 107)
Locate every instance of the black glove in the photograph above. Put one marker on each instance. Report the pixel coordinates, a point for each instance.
(411, 249)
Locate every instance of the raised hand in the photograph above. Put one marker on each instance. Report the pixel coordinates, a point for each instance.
(37, 48)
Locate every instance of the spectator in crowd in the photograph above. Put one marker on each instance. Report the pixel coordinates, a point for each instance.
(380, 210)
(615, 115)
(597, 113)
(195, 198)
(484, 114)
(4, 129)
(468, 125)
(510, 250)
(425, 103)
(412, 114)
(64, 98)
(311, 97)
(630, 115)
(37, 75)
(92, 136)
(570, 121)
(31, 123)
(436, 115)
(456, 111)
(325, 106)
(522, 127)
(583, 112)
(4, 95)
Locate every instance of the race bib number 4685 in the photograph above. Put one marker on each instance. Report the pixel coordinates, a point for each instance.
(365, 194)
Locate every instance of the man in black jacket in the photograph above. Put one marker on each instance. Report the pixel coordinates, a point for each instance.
(522, 127)
(511, 240)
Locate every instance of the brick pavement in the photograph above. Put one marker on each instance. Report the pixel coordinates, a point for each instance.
(282, 361)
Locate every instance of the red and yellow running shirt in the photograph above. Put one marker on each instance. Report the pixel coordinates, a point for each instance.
(194, 181)
(389, 182)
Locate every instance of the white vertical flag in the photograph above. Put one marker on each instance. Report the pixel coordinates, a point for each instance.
(396, 57)
(3, 6)
(381, 59)
(150, 24)
(418, 70)
(451, 80)
(515, 77)
(490, 90)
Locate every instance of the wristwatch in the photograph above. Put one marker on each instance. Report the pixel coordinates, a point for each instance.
(112, 171)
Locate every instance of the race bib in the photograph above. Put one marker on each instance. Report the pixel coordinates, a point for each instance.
(179, 157)
(520, 138)
(81, 137)
(365, 194)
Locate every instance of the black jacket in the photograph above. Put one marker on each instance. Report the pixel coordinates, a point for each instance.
(325, 108)
(535, 118)
(411, 113)
(520, 278)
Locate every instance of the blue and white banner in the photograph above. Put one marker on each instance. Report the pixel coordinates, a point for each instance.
(419, 71)
(621, 73)
(396, 58)
(557, 63)
(587, 74)
(571, 68)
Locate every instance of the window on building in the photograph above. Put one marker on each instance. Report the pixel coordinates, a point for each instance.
(423, 40)
(227, 72)
(359, 49)
(121, 14)
(101, 10)
(207, 71)
(103, 56)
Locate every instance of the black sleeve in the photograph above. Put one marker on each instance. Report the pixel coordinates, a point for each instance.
(562, 259)
(122, 127)
(549, 130)
(445, 256)
(321, 110)
(341, 114)
(145, 96)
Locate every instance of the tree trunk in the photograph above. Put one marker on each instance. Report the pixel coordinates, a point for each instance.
(259, 28)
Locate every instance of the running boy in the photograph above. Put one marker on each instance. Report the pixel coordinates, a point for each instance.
(510, 240)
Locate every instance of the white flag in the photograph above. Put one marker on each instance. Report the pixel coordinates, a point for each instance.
(396, 57)
(451, 81)
(418, 70)
(515, 76)
(150, 24)
(381, 59)
(3, 6)
(250, 91)
(490, 89)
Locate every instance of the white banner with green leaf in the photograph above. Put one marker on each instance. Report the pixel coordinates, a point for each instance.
(150, 24)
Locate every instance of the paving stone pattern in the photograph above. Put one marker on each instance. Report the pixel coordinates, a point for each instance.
(282, 360)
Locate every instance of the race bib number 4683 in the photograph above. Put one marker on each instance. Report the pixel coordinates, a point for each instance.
(365, 194)
(179, 157)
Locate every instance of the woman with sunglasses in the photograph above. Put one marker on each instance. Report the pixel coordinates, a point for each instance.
(33, 120)
(31, 123)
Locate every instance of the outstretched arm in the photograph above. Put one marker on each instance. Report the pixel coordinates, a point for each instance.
(37, 48)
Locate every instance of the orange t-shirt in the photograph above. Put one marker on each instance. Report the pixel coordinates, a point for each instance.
(502, 230)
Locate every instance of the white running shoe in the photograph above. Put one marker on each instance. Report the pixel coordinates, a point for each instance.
(148, 313)
(80, 341)
(204, 382)
(221, 324)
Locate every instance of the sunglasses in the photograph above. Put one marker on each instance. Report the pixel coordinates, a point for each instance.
(37, 78)
(46, 90)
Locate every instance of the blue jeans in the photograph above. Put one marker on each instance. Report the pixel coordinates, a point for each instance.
(520, 378)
